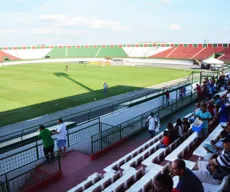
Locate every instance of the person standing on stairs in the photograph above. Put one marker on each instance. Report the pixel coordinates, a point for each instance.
(151, 124)
(61, 135)
(48, 142)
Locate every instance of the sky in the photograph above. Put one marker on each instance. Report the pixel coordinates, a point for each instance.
(79, 22)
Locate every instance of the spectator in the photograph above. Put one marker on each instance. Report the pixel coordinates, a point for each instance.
(179, 127)
(199, 92)
(215, 169)
(186, 124)
(226, 127)
(61, 133)
(167, 96)
(228, 95)
(184, 91)
(220, 82)
(223, 112)
(216, 147)
(172, 132)
(105, 86)
(151, 124)
(48, 142)
(188, 182)
(210, 109)
(205, 88)
(163, 183)
(166, 140)
(218, 99)
(181, 93)
(205, 116)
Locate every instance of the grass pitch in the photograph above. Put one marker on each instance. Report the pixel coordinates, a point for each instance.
(26, 89)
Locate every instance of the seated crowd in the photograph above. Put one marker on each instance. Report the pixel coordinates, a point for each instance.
(216, 166)
(212, 110)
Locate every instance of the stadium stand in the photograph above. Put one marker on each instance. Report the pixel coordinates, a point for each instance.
(163, 54)
(184, 52)
(157, 51)
(82, 52)
(208, 52)
(57, 53)
(29, 53)
(143, 51)
(5, 56)
(226, 55)
(145, 162)
(140, 169)
(111, 52)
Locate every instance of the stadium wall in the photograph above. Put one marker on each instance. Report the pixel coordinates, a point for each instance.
(102, 62)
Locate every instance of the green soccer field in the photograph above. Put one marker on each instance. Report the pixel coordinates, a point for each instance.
(32, 86)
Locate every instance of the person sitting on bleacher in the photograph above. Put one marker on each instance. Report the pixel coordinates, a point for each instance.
(163, 183)
(186, 124)
(216, 147)
(166, 140)
(226, 127)
(204, 116)
(188, 182)
(224, 112)
(179, 127)
(215, 169)
(228, 95)
(172, 132)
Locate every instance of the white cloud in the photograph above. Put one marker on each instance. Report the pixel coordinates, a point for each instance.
(174, 27)
(65, 20)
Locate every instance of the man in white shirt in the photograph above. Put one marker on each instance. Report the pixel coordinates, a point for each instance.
(228, 95)
(61, 135)
(105, 88)
(151, 124)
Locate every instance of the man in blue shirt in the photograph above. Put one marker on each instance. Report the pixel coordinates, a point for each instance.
(188, 181)
(205, 116)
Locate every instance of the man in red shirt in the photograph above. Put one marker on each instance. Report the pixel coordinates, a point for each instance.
(199, 92)
(167, 97)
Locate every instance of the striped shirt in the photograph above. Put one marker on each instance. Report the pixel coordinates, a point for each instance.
(223, 169)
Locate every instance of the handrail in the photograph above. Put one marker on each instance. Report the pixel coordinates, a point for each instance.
(90, 110)
(105, 134)
(37, 146)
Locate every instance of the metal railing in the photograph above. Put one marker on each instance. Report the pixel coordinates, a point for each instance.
(20, 135)
(117, 133)
(89, 115)
(34, 151)
(12, 160)
(30, 176)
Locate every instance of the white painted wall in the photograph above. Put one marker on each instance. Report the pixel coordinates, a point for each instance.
(143, 51)
(28, 53)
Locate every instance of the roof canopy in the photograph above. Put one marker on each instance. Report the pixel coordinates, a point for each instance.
(213, 61)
